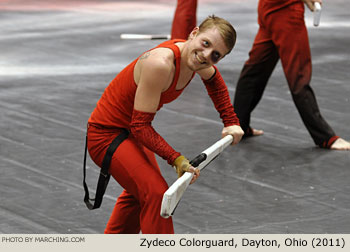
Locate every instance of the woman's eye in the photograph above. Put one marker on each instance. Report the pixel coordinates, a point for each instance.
(215, 56)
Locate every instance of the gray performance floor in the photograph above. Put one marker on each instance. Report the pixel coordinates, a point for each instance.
(56, 58)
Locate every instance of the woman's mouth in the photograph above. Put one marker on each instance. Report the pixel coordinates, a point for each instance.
(199, 59)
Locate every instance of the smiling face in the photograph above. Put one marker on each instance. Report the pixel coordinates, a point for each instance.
(205, 48)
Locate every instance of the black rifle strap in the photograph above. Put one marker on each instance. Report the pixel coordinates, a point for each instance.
(104, 174)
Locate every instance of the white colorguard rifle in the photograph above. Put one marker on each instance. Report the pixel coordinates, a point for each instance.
(144, 36)
(174, 193)
(317, 13)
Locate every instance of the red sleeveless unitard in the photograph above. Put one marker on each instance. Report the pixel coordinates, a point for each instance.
(133, 165)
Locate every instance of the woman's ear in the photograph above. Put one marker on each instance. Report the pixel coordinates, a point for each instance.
(194, 32)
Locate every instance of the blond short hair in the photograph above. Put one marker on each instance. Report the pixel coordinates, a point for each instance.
(226, 30)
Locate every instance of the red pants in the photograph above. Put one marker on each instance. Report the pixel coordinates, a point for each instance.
(135, 168)
(184, 19)
(282, 35)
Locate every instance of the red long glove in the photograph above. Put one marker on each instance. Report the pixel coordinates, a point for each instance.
(143, 131)
(218, 93)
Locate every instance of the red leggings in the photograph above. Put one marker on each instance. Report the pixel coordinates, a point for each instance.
(184, 19)
(135, 168)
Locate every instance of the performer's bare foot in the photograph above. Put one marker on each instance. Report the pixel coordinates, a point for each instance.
(253, 132)
(256, 132)
(340, 144)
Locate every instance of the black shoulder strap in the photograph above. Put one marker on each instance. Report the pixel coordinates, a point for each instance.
(104, 174)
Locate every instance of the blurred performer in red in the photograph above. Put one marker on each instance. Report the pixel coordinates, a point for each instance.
(185, 19)
(283, 35)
